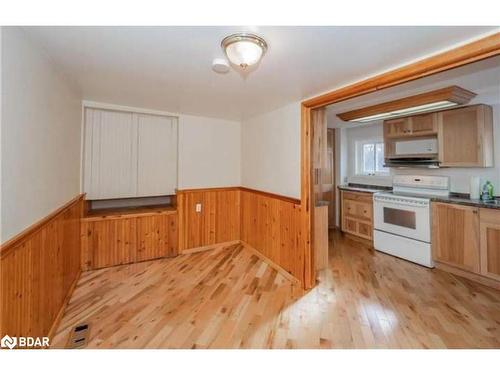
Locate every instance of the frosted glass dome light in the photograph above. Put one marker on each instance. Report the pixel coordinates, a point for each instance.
(244, 49)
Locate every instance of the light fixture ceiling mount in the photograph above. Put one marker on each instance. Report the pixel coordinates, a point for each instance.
(244, 49)
(426, 102)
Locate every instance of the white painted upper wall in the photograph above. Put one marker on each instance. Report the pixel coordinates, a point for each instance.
(40, 143)
(270, 158)
(209, 152)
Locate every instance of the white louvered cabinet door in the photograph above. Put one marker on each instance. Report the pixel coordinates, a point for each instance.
(156, 155)
(110, 169)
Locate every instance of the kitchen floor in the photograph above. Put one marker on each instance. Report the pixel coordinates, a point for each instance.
(230, 298)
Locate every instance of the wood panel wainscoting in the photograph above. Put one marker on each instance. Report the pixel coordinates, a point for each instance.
(218, 219)
(38, 271)
(121, 238)
(271, 224)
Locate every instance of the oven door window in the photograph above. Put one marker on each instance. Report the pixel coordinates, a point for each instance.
(401, 218)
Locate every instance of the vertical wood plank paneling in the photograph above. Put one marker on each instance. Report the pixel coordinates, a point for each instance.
(156, 237)
(218, 221)
(272, 226)
(130, 238)
(228, 216)
(38, 271)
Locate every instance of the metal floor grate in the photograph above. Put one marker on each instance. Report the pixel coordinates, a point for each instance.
(79, 336)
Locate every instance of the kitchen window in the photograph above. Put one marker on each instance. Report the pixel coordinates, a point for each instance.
(370, 159)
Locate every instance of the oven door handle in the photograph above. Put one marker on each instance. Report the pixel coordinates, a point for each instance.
(406, 204)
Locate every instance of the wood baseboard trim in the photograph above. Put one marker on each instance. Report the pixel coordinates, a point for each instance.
(17, 239)
(57, 320)
(208, 247)
(468, 275)
(278, 268)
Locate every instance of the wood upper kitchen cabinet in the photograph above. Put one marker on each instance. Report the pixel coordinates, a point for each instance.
(490, 242)
(418, 127)
(411, 126)
(425, 124)
(357, 214)
(465, 136)
(455, 236)
(399, 127)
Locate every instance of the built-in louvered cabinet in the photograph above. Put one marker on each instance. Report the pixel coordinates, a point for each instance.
(129, 154)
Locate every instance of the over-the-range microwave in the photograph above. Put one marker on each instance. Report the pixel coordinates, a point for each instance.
(414, 153)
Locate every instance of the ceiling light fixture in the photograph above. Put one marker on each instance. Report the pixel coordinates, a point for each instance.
(244, 49)
(429, 101)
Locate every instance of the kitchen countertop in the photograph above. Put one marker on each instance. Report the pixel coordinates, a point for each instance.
(454, 198)
(466, 201)
(364, 188)
(321, 203)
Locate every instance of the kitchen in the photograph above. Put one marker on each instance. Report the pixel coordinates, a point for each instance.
(417, 171)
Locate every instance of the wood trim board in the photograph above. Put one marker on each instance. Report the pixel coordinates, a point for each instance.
(60, 314)
(208, 247)
(274, 265)
(241, 188)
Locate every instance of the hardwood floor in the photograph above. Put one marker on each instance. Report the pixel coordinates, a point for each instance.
(230, 298)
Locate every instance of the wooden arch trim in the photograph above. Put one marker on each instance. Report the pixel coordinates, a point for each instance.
(477, 50)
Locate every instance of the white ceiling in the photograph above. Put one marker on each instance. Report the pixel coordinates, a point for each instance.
(169, 68)
(482, 78)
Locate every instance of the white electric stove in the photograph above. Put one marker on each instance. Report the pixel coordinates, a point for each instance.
(402, 218)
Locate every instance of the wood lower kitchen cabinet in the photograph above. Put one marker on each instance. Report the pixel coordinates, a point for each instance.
(490, 243)
(357, 213)
(466, 241)
(455, 236)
